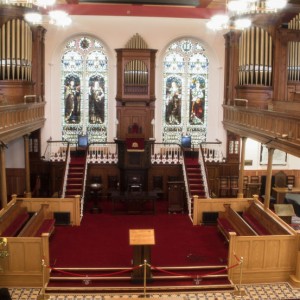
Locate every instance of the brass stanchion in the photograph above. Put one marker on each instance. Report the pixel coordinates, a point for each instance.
(43, 296)
(240, 292)
(145, 277)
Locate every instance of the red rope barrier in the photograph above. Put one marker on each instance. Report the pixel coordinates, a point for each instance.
(194, 276)
(94, 275)
(137, 267)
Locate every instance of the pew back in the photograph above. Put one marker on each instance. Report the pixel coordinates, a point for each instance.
(230, 220)
(36, 222)
(262, 218)
(12, 219)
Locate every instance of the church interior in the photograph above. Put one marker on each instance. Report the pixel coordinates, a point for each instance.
(149, 149)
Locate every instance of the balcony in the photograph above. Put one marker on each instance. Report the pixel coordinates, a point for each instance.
(17, 120)
(276, 129)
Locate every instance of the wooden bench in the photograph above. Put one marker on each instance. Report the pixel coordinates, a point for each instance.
(262, 222)
(13, 219)
(231, 221)
(41, 222)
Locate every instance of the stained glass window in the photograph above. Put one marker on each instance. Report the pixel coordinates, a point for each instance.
(84, 90)
(185, 77)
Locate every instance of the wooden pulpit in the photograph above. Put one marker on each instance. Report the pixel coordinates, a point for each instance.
(141, 240)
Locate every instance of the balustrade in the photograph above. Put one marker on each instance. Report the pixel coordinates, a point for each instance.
(103, 153)
(279, 129)
(14, 119)
(166, 154)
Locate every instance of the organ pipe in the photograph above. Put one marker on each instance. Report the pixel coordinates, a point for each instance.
(255, 57)
(15, 50)
(136, 77)
(294, 52)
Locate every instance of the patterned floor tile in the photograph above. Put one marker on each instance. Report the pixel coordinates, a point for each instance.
(279, 291)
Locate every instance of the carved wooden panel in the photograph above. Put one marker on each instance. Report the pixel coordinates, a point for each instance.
(135, 75)
(141, 115)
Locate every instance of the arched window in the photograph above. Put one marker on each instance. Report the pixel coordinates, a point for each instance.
(84, 90)
(185, 77)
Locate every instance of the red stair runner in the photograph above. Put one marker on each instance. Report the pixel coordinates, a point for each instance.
(194, 176)
(75, 176)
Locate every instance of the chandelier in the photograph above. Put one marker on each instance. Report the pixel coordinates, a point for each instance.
(238, 13)
(56, 17)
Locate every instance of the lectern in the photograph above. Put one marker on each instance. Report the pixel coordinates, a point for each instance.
(141, 240)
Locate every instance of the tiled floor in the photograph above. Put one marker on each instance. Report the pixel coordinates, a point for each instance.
(277, 291)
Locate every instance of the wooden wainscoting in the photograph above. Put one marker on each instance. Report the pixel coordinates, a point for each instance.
(23, 265)
(15, 179)
(56, 205)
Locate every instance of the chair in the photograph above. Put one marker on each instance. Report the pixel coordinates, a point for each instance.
(158, 186)
(280, 179)
(234, 186)
(224, 186)
(254, 179)
(290, 179)
(245, 182)
(134, 184)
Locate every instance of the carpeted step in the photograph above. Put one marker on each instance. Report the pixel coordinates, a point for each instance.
(195, 181)
(74, 187)
(75, 174)
(163, 278)
(74, 180)
(196, 187)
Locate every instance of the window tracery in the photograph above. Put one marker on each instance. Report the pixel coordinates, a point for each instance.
(84, 68)
(185, 81)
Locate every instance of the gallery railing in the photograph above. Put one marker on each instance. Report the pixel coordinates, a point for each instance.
(278, 128)
(102, 153)
(212, 151)
(17, 120)
(166, 153)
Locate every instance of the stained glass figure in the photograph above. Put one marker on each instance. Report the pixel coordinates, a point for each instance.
(72, 99)
(96, 100)
(185, 81)
(197, 99)
(173, 101)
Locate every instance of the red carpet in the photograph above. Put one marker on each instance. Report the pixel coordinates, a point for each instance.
(102, 240)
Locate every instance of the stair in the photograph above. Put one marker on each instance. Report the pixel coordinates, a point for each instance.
(116, 280)
(75, 177)
(195, 180)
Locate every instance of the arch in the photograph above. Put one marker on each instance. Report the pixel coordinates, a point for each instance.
(185, 91)
(84, 69)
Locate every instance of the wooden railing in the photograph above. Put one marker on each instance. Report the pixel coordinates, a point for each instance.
(278, 129)
(20, 119)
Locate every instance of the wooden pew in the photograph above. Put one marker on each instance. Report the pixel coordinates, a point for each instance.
(13, 219)
(231, 221)
(262, 222)
(41, 222)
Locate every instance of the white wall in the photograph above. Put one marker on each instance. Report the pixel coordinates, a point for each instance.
(15, 155)
(253, 149)
(114, 32)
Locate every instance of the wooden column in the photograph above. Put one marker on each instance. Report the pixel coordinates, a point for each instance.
(242, 167)
(269, 178)
(27, 167)
(3, 188)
